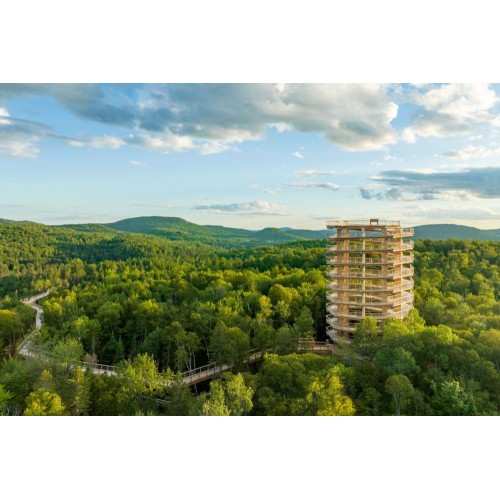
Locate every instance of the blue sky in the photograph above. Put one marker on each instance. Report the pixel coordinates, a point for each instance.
(253, 155)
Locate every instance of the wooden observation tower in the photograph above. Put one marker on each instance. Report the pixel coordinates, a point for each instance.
(370, 273)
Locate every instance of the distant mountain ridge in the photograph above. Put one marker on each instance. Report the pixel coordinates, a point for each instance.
(445, 231)
(177, 229)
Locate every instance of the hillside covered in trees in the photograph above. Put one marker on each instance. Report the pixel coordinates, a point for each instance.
(446, 231)
(155, 308)
(177, 229)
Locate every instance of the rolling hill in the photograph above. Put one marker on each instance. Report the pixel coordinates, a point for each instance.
(445, 231)
(177, 229)
(174, 228)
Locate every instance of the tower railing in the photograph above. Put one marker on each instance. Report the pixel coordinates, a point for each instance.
(405, 284)
(371, 273)
(372, 247)
(362, 222)
(338, 260)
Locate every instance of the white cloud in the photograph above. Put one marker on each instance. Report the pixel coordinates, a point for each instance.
(473, 152)
(137, 163)
(315, 185)
(4, 114)
(452, 109)
(315, 173)
(164, 143)
(212, 118)
(106, 141)
(474, 213)
(411, 185)
(355, 117)
(258, 207)
(369, 193)
(10, 146)
(97, 142)
(213, 147)
(389, 157)
(18, 138)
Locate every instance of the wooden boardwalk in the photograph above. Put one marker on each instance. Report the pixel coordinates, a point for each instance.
(190, 377)
(214, 370)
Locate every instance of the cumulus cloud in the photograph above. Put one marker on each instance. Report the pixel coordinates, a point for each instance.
(452, 109)
(209, 117)
(212, 118)
(387, 194)
(213, 147)
(315, 185)
(473, 152)
(103, 103)
(164, 144)
(463, 184)
(97, 142)
(258, 207)
(315, 173)
(19, 138)
(4, 114)
(459, 214)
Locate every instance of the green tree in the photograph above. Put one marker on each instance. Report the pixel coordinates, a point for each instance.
(81, 393)
(366, 336)
(325, 396)
(68, 352)
(44, 403)
(237, 395)
(18, 378)
(214, 405)
(401, 390)
(392, 361)
(109, 316)
(263, 337)
(304, 324)
(369, 401)
(491, 339)
(433, 311)
(10, 329)
(286, 340)
(140, 384)
(180, 399)
(5, 398)
(187, 344)
(450, 398)
(88, 330)
(229, 345)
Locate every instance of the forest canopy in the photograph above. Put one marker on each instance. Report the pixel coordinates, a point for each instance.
(155, 308)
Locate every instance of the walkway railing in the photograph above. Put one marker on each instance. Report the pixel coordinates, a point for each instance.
(213, 369)
(97, 367)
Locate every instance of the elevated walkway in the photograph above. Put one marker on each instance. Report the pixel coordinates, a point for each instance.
(191, 377)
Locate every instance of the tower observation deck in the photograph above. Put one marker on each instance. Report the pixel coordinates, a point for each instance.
(370, 273)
